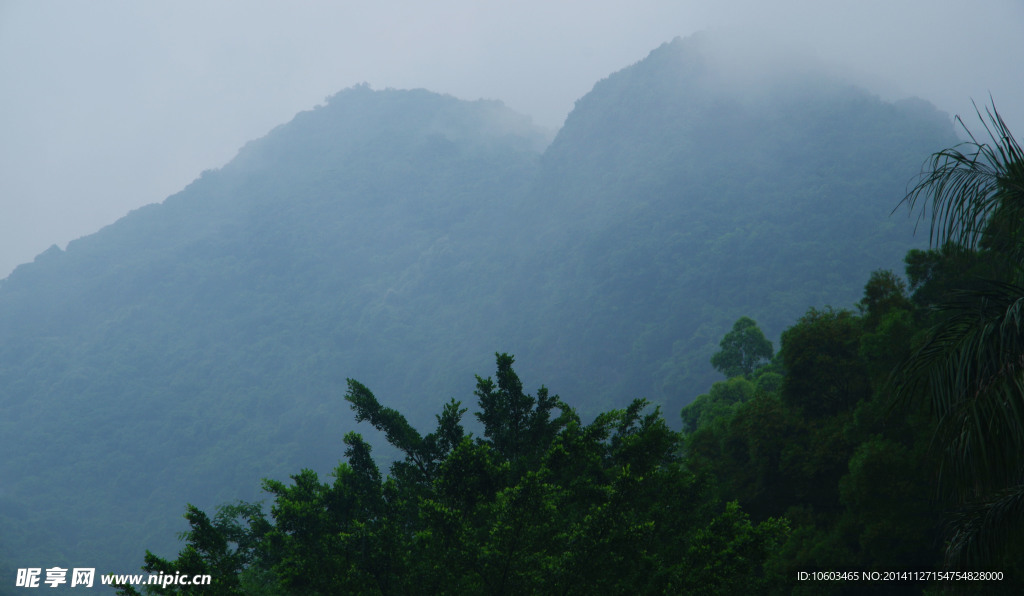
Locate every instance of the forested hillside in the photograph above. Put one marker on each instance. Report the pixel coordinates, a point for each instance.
(401, 238)
(877, 452)
(680, 197)
(205, 340)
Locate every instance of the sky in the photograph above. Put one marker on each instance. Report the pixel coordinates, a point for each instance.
(109, 105)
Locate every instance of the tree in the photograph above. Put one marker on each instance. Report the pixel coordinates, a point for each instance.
(977, 197)
(518, 425)
(883, 293)
(538, 504)
(970, 370)
(742, 349)
(716, 403)
(821, 356)
(221, 548)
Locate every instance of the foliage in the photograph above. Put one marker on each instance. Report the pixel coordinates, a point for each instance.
(976, 198)
(742, 349)
(220, 548)
(969, 370)
(538, 504)
(824, 372)
(868, 482)
(723, 398)
(825, 448)
(884, 292)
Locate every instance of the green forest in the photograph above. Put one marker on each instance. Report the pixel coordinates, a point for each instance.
(762, 368)
(880, 439)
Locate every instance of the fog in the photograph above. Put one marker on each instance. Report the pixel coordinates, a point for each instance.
(109, 105)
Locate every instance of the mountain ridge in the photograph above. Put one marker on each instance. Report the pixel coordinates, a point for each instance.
(403, 237)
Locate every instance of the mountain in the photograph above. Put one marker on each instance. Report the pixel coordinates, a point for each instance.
(206, 340)
(684, 192)
(401, 238)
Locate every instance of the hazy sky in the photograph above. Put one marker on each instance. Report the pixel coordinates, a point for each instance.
(109, 105)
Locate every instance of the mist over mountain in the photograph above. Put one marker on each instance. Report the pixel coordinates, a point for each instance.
(207, 339)
(682, 196)
(401, 238)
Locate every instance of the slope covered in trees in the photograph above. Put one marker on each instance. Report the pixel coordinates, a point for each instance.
(800, 465)
(889, 438)
(203, 340)
(399, 237)
(685, 196)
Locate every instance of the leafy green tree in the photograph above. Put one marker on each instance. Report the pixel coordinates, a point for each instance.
(884, 292)
(221, 548)
(887, 508)
(742, 349)
(540, 503)
(935, 274)
(517, 425)
(824, 371)
(970, 369)
(820, 442)
(976, 198)
(715, 404)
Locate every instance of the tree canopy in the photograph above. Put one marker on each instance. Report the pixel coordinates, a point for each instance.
(742, 349)
(540, 503)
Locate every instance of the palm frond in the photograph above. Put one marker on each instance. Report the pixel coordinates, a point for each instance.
(982, 531)
(971, 372)
(963, 187)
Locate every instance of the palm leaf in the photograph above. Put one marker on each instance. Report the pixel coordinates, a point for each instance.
(984, 530)
(971, 373)
(970, 370)
(963, 187)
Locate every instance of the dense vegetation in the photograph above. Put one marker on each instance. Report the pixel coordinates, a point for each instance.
(398, 237)
(823, 457)
(818, 458)
(890, 438)
(541, 503)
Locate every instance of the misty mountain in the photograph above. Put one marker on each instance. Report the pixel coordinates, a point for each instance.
(685, 192)
(206, 339)
(401, 238)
